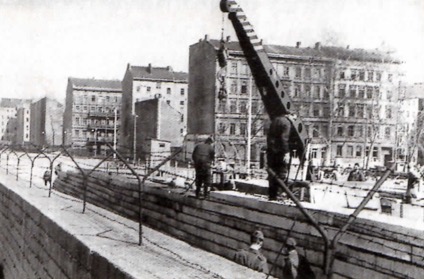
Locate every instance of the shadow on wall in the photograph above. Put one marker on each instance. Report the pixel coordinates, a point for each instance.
(1, 272)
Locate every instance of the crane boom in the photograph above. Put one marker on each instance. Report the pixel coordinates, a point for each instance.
(275, 99)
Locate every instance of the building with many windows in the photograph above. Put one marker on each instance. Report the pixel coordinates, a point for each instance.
(145, 83)
(347, 99)
(15, 120)
(92, 112)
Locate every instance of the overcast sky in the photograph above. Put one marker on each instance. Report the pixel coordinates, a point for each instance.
(43, 42)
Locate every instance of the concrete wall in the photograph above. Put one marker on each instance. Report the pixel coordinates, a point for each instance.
(223, 224)
(33, 246)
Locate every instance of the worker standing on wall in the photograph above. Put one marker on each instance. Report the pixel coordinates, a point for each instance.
(203, 156)
(278, 149)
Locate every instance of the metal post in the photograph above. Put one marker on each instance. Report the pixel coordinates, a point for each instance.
(249, 127)
(135, 139)
(114, 133)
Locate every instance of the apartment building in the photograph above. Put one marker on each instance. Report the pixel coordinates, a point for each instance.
(46, 122)
(145, 83)
(15, 120)
(347, 99)
(92, 114)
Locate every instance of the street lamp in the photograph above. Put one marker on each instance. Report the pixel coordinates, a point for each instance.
(135, 138)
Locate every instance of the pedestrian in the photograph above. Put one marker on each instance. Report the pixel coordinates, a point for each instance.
(203, 157)
(295, 266)
(47, 176)
(278, 137)
(252, 257)
(356, 174)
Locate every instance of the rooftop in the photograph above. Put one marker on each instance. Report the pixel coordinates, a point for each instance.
(157, 73)
(104, 84)
(319, 51)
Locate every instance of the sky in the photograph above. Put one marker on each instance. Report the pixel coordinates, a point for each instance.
(44, 42)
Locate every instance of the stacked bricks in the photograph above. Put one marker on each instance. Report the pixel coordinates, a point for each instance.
(35, 247)
(223, 223)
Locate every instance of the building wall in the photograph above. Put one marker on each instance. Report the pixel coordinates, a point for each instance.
(202, 90)
(319, 87)
(90, 114)
(146, 83)
(158, 120)
(38, 122)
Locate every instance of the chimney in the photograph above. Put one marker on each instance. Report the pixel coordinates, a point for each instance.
(228, 39)
(298, 44)
(149, 68)
(169, 68)
(348, 46)
(318, 46)
(206, 37)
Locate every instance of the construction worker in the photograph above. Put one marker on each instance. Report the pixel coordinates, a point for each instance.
(278, 152)
(252, 257)
(203, 157)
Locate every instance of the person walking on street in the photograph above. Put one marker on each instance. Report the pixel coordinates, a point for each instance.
(47, 177)
(252, 257)
(203, 157)
(278, 137)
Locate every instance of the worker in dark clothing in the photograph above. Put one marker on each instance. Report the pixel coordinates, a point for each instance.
(252, 257)
(278, 152)
(203, 156)
(356, 174)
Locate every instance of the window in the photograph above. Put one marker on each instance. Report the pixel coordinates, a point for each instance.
(326, 93)
(77, 120)
(351, 111)
(375, 152)
(390, 77)
(358, 151)
(232, 128)
(138, 88)
(168, 90)
(378, 76)
(370, 76)
(315, 111)
(158, 85)
(351, 130)
(339, 150)
(388, 112)
(286, 71)
(221, 128)
(353, 74)
(148, 89)
(182, 103)
(234, 68)
(243, 106)
(352, 91)
(361, 75)
(389, 95)
(324, 131)
(168, 102)
(340, 131)
(361, 92)
(369, 92)
(233, 88)
(359, 131)
(315, 92)
(308, 90)
(161, 145)
(77, 108)
(242, 129)
(244, 69)
(308, 73)
(387, 132)
(298, 73)
(244, 87)
(233, 106)
(93, 98)
(314, 153)
(315, 131)
(342, 74)
(342, 91)
(296, 90)
(350, 151)
(182, 92)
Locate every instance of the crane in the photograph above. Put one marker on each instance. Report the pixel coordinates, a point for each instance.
(276, 100)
